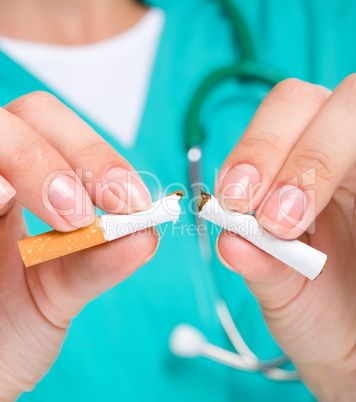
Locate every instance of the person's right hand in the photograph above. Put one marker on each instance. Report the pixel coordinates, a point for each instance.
(42, 144)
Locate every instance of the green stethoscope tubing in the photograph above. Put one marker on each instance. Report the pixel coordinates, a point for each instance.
(244, 70)
(248, 68)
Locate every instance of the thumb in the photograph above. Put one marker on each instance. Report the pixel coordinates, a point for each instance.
(62, 287)
(273, 283)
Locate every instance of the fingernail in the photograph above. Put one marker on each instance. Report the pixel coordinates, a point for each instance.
(6, 191)
(228, 266)
(71, 201)
(239, 185)
(129, 189)
(156, 233)
(283, 209)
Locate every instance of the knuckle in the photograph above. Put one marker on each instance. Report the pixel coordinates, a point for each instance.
(289, 86)
(349, 82)
(97, 149)
(40, 97)
(292, 89)
(263, 144)
(26, 159)
(38, 100)
(347, 92)
(324, 162)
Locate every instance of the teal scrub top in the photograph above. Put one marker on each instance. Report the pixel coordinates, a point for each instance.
(117, 347)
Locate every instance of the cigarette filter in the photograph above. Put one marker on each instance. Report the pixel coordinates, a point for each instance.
(51, 245)
(301, 257)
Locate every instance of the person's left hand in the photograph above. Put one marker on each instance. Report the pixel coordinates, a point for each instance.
(295, 162)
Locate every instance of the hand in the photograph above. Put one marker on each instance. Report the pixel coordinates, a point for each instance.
(42, 144)
(296, 162)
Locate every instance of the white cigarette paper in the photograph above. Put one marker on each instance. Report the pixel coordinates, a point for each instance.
(48, 246)
(299, 256)
(165, 210)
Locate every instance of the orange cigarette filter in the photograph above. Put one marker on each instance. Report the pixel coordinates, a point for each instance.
(48, 246)
(54, 244)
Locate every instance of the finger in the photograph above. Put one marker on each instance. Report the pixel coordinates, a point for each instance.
(111, 181)
(44, 182)
(239, 255)
(12, 284)
(289, 302)
(271, 281)
(251, 167)
(61, 288)
(7, 193)
(321, 159)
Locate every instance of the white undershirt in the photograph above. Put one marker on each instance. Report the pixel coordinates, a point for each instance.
(106, 81)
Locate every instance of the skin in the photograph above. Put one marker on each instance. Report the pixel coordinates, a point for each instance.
(298, 127)
(67, 22)
(304, 127)
(38, 303)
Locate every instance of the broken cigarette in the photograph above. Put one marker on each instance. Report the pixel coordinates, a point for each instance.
(51, 245)
(301, 257)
